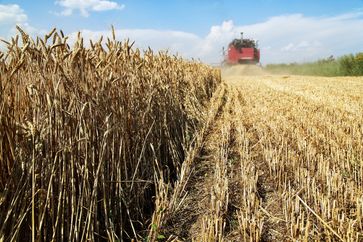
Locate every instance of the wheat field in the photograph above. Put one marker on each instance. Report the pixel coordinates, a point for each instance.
(87, 132)
(101, 141)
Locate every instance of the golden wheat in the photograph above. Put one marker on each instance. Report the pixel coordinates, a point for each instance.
(87, 135)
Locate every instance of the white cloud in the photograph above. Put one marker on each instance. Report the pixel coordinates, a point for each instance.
(286, 38)
(11, 13)
(297, 38)
(302, 46)
(288, 47)
(84, 6)
(10, 16)
(179, 42)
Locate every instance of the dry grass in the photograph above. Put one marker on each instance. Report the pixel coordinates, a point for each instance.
(90, 135)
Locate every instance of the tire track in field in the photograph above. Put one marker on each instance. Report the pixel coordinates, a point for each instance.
(231, 194)
(206, 186)
(260, 217)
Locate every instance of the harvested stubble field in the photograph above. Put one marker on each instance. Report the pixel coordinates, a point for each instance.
(283, 161)
(109, 143)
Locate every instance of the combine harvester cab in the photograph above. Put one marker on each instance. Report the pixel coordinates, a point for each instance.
(242, 51)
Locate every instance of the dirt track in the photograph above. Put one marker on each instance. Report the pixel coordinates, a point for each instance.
(283, 161)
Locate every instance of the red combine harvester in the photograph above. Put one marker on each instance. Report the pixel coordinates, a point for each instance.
(242, 51)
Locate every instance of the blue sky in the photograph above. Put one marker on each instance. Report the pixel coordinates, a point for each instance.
(288, 31)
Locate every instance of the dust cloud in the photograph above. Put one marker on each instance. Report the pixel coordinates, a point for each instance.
(243, 70)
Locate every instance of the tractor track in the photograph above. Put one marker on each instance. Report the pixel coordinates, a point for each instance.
(273, 224)
(254, 169)
(222, 147)
(187, 221)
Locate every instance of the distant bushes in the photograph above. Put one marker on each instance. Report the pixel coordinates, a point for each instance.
(351, 65)
(347, 65)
